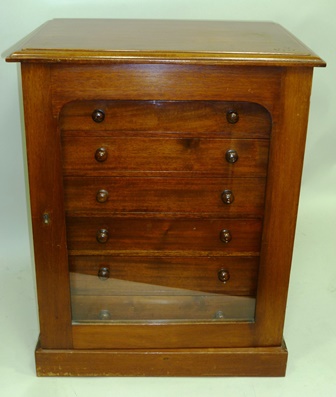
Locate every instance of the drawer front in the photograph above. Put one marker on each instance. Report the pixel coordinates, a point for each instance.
(228, 119)
(104, 156)
(240, 197)
(193, 307)
(153, 236)
(111, 275)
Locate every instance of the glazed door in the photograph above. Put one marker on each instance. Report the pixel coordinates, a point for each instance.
(164, 206)
(161, 225)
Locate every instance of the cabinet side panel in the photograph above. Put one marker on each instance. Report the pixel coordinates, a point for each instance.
(282, 196)
(46, 196)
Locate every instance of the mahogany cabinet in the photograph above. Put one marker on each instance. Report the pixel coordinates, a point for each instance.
(164, 164)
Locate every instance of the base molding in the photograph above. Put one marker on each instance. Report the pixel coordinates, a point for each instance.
(252, 361)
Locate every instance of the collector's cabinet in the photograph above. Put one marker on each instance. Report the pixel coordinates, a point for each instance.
(164, 163)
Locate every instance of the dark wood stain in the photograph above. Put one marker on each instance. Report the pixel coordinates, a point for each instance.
(147, 120)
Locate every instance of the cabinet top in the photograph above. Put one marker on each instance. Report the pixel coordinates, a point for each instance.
(163, 41)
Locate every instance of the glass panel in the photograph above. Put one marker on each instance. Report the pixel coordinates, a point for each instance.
(148, 185)
(102, 298)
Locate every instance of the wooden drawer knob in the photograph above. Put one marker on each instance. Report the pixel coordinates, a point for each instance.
(101, 155)
(225, 236)
(102, 236)
(219, 315)
(227, 196)
(232, 117)
(231, 156)
(103, 273)
(98, 116)
(102, 196)
(105, 315)
(223, 276)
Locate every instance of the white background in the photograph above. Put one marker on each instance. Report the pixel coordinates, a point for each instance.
(310, 329)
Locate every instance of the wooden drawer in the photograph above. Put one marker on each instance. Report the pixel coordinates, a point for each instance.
(151, 273)
(201, 196)
(153, 236)
(170, 307)
(138, 155)
(203, 117)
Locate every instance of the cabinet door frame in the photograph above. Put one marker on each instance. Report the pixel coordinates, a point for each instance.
(47, 88)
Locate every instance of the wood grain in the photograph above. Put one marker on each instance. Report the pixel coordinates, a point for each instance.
(115, 40)
(282, 197)
(192, 273)
(164, 334)
(166, 195)
(148, 155)
(202, 117)
(155, 236)
(165, 83)
(173, 362)
(46, 197)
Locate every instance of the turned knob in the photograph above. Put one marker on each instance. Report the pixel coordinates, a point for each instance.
(105, 315)
(232, 117)
(102, 236)
(227, 197)
(231, 156)
(101, 154)
(225, 236)
(98, 116)
(219, 315)
(223, 276)
(102, 196)
(103, 273)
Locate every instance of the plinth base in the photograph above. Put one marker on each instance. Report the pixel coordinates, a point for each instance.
(254, 361)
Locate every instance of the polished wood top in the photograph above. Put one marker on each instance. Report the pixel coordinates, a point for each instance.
(168, 41)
